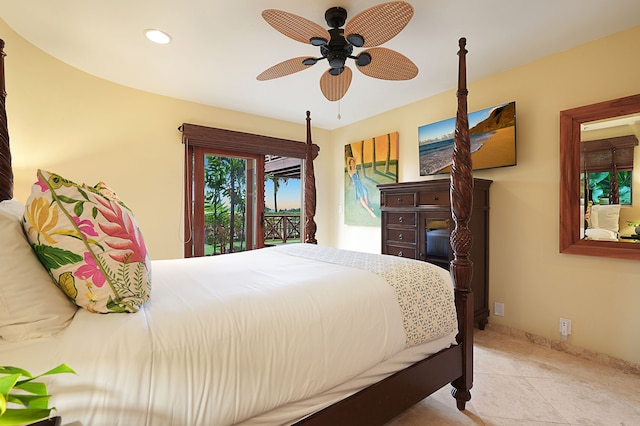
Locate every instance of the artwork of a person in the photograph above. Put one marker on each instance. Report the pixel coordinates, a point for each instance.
(362, 194)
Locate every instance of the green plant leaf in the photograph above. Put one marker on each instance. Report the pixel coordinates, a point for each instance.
(115, 307)
(78, 208)
(66, 199)
(7, 383)
(62, 368)
(17, 416)
(82, 191)
(54, 257)
(36, 388)
(7, 369)
(3, 404)
(31, 401)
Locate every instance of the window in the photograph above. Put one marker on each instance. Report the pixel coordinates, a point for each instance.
(607, 169)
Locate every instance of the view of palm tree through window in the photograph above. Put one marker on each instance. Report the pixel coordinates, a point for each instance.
(282, 209)
(282, 200)
(226, 206)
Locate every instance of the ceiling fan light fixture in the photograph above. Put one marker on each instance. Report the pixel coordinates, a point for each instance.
(318, 41)
(336, 59)
(356, 40)
(309, 61)
(363, 59)
(336, 62)
(157, 36)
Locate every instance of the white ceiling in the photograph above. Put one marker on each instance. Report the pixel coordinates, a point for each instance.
(219, 47)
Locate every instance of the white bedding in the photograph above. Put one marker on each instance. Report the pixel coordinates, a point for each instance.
(260, 337)
(601, 234)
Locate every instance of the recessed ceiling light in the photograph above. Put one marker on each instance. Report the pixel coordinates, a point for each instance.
(158, 36)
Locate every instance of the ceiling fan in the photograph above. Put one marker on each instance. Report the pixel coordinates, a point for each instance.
(369, 28)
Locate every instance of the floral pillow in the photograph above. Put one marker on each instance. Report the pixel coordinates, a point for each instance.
(89, 242)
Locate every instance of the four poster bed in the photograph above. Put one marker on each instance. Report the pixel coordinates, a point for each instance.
(302, 335)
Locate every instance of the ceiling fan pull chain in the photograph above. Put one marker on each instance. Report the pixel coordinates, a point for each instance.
(339, 116)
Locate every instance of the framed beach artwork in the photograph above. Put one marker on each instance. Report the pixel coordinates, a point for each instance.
(493, 140)
(368, 163)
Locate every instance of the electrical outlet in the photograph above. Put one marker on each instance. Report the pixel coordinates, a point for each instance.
(498, 309)
(565, 327)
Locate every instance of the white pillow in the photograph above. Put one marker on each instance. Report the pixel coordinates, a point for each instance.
(13, 207)
(593, 218)
(600, 234)
(608, 217)
(31, 305)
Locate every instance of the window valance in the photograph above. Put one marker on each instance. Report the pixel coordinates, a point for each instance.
(222, 139)
(602, 154)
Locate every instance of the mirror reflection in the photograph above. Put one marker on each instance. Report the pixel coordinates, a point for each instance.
(608, 153)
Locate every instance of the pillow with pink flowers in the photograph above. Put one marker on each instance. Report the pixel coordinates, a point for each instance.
(89, 242)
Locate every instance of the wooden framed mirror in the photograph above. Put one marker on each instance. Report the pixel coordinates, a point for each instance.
(572, 202)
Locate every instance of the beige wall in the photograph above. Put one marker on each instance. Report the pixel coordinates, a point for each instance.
(88, 130)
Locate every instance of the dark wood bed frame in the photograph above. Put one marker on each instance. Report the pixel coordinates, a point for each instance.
(384, 400)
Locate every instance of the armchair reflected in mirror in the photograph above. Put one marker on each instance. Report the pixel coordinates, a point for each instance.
(598, 145)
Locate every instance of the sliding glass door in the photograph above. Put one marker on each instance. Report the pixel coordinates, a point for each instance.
(224, 205)
(227, 203)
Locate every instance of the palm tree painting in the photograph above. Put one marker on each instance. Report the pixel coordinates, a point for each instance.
(367, 163)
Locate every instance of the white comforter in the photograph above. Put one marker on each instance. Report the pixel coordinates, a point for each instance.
(223, 340)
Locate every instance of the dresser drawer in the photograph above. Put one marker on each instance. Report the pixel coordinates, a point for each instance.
(407, 199)
(408, 252)
(402, 235)
(434, 198)
(402, 218)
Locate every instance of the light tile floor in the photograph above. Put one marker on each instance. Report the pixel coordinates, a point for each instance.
(521, 383)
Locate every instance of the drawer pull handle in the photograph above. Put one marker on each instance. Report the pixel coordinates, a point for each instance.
(401, 219)
(436, 198)
(400, 253)
(399, 199)
(400, 236)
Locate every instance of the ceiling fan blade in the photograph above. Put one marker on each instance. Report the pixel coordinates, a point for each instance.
(287, 67)
(334, 87)
(294, 26)
(387, 64)
(380, 23)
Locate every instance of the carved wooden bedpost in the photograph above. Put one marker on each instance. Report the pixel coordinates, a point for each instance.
(309, 190)
(614, 186)
(461, 238)
(6, 174)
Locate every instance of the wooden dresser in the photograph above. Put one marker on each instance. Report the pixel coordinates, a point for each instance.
(416, 223)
